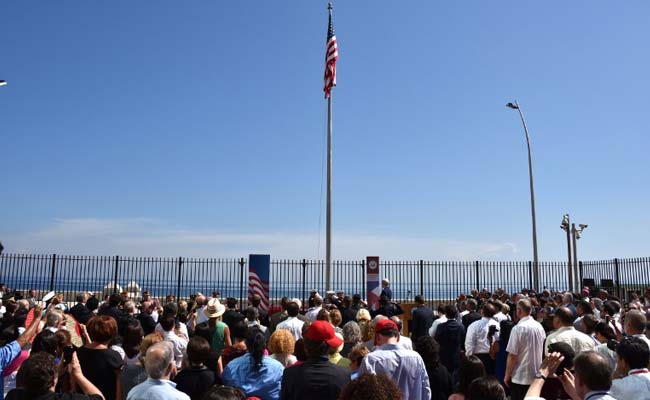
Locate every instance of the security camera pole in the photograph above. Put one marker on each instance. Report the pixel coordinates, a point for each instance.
(515, 106)
(576, 233)
(566, 226)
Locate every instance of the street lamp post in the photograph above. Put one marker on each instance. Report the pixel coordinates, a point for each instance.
(566, 226)
(515, 106)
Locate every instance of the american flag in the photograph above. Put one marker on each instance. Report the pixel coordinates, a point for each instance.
(331, 55)
(258, 278)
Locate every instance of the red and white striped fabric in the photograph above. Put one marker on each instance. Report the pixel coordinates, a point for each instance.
(257, 286)
(331, 55)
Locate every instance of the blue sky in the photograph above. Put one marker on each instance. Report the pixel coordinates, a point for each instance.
(196, 128)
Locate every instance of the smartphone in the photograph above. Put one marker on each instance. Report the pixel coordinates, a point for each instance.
(67, 354)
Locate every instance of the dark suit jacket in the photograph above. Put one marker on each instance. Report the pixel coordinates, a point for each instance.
(315, 379)
(451, 337)
(81, 313)
(147, 322)
(421, 322)
(469, 318)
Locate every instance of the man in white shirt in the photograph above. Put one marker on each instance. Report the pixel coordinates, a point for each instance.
(292, 323)
(437, 322)
(633, 356)
(167, 322)
(477, 341)
(201, 306)
(635, 323)
(500, 316)
(524, 349)
(405, 367)
(565, 332)
(312, 313)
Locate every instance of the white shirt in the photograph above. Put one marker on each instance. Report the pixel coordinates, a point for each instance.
(200, 315)
(405, 342)
(434, 326)
(404, 367)
(568, 334)
(609, 355)
(182, 328)
(476, 340)
(635, 386)
(526, 342)
(293, 325)
(313, 313)
(500, 317)
(180, 345)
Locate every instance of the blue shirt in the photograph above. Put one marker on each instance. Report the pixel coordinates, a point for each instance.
(156, 389)
(7, 354)
(264, 383)
(405, 367)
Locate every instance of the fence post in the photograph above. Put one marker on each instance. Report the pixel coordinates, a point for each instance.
(241, 281)
(421, 278)
(117, 270)
(530, 275)
(364, 285)
(616, 277)
(178, 281)
(579, 285)
(53, 272)
(478, 283)
(304, 277)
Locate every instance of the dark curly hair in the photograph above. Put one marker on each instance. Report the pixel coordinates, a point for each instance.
(133, 335)
(224, 393)
(470, 368)
(45, 342)
(429, 350)
(371, 387)
(37, 373)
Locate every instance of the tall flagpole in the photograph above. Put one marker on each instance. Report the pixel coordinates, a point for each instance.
(328, 218)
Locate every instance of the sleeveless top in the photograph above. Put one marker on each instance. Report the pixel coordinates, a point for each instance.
(218, 339)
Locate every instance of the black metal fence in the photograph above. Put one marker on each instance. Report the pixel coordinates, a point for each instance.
(436, 280)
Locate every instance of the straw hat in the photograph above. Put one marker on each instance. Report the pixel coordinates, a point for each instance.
(214, 309)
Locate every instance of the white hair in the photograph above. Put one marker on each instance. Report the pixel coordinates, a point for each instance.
(158, 358)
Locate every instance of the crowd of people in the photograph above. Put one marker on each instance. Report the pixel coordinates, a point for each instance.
(482, 346)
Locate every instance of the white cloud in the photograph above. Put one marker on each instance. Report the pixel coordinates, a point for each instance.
(149, 237)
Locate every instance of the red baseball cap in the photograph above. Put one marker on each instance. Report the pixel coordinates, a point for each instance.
(385, 324)
(322, 331)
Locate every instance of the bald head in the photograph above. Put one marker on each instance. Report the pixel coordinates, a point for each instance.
(159, 360)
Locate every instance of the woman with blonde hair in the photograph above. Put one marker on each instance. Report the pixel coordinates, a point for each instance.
(281, 345)
(364, 321)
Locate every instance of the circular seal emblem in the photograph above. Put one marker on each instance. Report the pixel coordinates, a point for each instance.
(372, 264)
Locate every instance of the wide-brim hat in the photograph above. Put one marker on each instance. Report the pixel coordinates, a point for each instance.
(214, 309)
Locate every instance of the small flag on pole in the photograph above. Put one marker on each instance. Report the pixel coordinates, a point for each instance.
(331, 55)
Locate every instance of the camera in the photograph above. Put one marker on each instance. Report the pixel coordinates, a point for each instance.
(67, 354)
(612, 344)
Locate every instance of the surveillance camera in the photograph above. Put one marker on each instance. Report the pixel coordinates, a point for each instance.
(583, 226)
